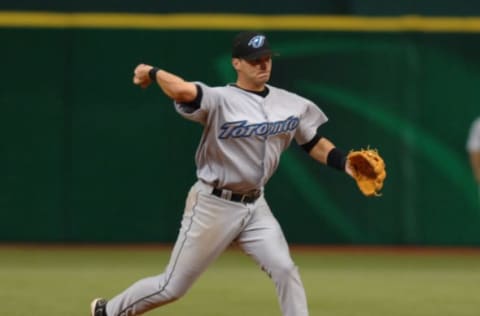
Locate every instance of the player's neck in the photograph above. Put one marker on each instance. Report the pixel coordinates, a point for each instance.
(250, 86)
(262, 93)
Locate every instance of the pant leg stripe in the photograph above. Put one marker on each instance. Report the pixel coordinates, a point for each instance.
(174, 265)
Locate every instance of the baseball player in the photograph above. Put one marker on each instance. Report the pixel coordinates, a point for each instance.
(473, 148)
(246, 127)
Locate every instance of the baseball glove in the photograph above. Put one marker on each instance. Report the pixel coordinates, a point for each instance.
(368, 170)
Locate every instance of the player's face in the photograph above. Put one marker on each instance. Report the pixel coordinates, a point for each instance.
(256, 71)
(260, 68)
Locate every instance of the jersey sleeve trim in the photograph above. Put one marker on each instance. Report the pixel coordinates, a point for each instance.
(190, 107)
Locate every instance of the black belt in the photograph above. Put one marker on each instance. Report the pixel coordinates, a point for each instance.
(236, 197)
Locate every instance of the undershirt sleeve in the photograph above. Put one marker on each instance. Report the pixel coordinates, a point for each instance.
(309, 145)
(194, 105)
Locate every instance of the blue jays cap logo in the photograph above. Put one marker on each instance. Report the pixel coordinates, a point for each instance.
(257, 41)
(250, 45)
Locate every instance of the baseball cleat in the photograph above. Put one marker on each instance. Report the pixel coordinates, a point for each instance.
(98, 307)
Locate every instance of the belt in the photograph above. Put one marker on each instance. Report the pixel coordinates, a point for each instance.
(249, 197)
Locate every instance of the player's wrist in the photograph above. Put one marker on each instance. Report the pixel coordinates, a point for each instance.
(152, 73)
(336, 159)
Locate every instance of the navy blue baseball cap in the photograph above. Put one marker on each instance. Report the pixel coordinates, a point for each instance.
(250, 45)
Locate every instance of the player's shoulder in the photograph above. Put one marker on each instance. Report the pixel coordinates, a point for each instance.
(280, 91)
(203, 85)
(212, 90)
(283, 93)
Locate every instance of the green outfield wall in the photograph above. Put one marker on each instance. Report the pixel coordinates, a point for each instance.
(337, 7)
(85, 156)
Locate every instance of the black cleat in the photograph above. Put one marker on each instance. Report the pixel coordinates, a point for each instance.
(98, 307)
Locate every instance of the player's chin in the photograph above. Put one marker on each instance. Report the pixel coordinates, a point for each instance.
(263, 77)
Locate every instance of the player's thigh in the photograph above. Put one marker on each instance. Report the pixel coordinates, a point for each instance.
(208, 227)
(264, 241)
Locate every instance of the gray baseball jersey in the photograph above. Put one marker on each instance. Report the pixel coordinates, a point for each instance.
(240, 149)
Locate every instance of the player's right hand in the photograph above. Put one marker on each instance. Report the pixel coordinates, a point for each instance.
(140, 75)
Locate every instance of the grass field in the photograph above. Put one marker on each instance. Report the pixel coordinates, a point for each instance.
(47, 281)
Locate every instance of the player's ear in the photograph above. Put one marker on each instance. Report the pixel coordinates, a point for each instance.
(236, 63)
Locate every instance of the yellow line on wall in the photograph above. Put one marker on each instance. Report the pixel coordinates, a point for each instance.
(238, 21)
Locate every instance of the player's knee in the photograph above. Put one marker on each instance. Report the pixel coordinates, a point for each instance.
(175, 292)
(284, 270)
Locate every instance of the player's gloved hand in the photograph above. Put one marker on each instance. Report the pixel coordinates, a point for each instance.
(140, 75)
(368, 169)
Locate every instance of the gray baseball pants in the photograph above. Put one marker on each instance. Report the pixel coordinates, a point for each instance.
(209, 225)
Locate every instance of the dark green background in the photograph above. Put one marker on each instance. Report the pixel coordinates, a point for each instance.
(85, 156)
(338, 7)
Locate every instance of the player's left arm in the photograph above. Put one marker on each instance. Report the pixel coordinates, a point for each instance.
(325, 152)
